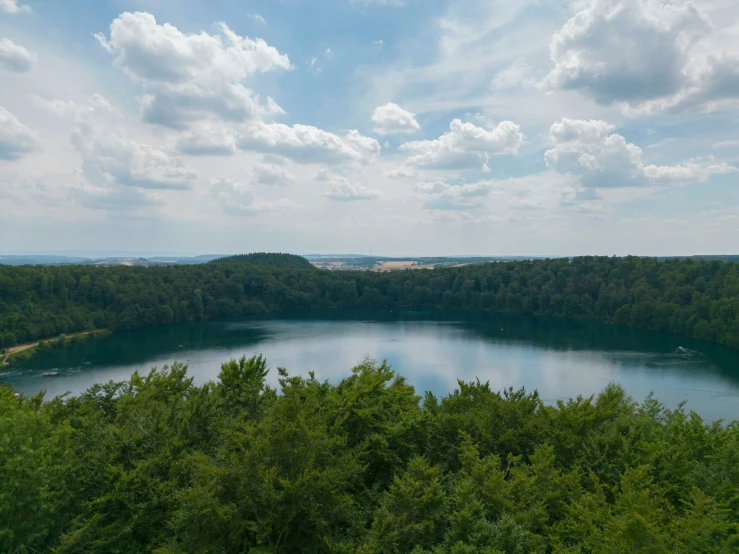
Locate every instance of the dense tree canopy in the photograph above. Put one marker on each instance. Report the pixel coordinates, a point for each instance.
(289, 261)
(692, 298)
(157, 464)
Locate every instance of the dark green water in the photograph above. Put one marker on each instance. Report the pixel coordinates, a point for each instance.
(432, 349)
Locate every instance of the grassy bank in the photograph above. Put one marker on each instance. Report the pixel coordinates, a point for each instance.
(26, 351)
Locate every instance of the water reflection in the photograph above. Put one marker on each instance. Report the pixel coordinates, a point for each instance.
(560, 358)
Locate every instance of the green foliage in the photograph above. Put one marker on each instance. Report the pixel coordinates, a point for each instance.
(157, 464)
(284, 261)
(691, 298)
(34, 461)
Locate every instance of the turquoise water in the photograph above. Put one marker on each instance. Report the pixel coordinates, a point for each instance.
(432, 349)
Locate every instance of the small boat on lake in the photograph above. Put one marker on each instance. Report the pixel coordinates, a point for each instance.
(50, 373)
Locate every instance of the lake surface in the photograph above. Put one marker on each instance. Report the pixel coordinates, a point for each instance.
(432, 349)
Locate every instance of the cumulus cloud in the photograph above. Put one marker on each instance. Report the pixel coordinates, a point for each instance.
(272, 170)
(114, 159)
(624, 50)
(646, 56)
(240, 199)
(439, 195)
(113, 163)
(391, 119)
(14, 7)
(16, 58)
(712, 85)
(28, 188)
(343, 190)
(96, 110)
(575, 195)
(187, 76)
(208, 140)
(600, 158)
(346, 191)
(465, 146)
(306, 143)
(402, 172)
(16, 140)
(581, 199)
(110, 197)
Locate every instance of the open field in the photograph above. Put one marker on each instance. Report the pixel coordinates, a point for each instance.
(367, 263)
(390, 265)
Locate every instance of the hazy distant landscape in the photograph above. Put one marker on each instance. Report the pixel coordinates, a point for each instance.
(334, 262)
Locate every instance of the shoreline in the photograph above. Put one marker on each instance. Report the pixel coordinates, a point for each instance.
(23, 352)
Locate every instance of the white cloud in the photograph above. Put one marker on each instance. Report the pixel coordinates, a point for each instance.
(16, 139)
(516, 75)
(110, 197)
(240, 199)
(343, 190)
(259, 19)
(306, 143)
(188, 77)
(599, 158)
(391, 119)
(328, 53)
(15, 57)
(525, 203)
(110, 158)
(14, 7)
(625, 50)
(576, 195)
(111, 162)
(97, 111)
(646, 56)
(439, 195)
(463, 217)
(465, 146)
(402, 172)
(711, 85)
(727, 144)
(29, 189)
(272, 171)
(205, 139)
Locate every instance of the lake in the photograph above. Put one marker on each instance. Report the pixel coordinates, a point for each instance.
(432, 349)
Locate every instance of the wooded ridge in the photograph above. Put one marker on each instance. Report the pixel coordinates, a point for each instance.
(691, 298)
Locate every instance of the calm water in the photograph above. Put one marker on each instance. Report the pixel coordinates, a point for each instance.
(432, 350)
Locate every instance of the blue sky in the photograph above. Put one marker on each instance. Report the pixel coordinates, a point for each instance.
(535, 127)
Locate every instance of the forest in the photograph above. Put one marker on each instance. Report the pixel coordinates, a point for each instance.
(279, 259)
(687, 297)
(157, 464)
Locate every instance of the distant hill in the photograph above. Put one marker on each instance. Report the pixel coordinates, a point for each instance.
(32, 259)
(709, 257)
(285, 261)
(38, 259)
